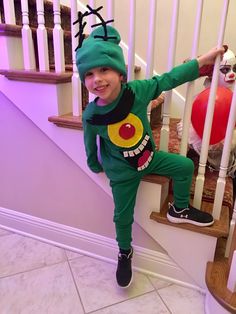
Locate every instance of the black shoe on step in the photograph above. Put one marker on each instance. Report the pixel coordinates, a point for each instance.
(189, 215)
(124, 268)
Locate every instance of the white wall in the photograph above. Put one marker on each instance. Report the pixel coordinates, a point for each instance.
(39, 179)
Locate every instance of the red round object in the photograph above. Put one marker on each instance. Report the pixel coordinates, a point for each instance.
(127, 131)
(220, 117)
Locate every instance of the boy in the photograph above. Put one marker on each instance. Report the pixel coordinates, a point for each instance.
(118, 116)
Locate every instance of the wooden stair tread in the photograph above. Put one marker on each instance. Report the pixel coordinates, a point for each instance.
(37, 76)
(216, 280)
(67, 121)
(220, 228)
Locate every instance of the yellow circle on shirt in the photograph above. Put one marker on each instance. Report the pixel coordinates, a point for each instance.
(126, 133)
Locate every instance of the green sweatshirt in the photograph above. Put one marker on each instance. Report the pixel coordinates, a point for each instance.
(126, 142)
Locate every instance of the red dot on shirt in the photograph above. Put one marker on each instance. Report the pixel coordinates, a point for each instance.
(127, 131)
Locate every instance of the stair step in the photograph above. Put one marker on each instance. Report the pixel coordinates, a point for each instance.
(37, 76)
(10, 30)
(67, 121)
(216, 279)
(220, 228)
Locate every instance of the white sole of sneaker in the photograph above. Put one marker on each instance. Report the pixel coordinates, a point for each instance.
(127, 285)
(185, 221)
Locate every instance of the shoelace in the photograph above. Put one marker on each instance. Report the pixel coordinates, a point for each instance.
(127, 256)
(178, 211)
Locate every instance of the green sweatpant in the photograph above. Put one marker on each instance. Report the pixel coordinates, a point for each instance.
(177, 167)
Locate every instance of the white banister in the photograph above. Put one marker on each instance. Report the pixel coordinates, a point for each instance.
(190, 85)
(220, 188)
(164, 140)
(151, 42)
(58, 39)
(27, 40)
(131, 52)
(110, 10)
(151, 39)
(75, 81)
(9, 12)
(42, 39)
(209, 115)
(231, 284)
(231, 232)
(92, 17)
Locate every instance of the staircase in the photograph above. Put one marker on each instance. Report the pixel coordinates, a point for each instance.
(154, 192)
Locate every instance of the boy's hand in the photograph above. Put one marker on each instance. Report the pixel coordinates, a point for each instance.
(208, 60)
(209, 57)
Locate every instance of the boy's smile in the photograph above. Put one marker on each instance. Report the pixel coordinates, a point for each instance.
(105, 83)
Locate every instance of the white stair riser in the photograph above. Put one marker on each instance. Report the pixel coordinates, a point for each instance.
(9, 58)
(190, 250)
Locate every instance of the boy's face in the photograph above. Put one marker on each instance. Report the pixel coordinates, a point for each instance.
(105, 83)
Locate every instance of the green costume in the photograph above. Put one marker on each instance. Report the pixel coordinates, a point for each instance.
(126, 144)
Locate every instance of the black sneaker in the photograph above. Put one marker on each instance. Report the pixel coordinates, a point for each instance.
(124, 269)
(189, 215)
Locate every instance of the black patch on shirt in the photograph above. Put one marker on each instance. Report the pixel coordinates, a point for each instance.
(119, 113)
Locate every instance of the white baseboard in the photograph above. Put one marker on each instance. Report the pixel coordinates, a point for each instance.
(145, 260)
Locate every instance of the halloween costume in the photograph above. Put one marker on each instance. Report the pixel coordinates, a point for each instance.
(126, 144)
(119, 119)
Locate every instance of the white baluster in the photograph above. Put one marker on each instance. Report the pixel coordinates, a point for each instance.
(9, 12)
(190, 85)
(92, 17)
(110, 10)
(231, 232)
(220, 188)
(76, 83)
(92, 21)
(131, 52)
(42, 38)
(27, 40)
(231, 284)
(164, 140)
(151, 42)
(209, 116)
(58, 39)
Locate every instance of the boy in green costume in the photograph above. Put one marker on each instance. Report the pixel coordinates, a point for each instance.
(118, 115)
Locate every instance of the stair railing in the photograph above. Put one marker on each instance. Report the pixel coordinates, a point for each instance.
(232, 230)
(131, 52)
(231, 283)
(58, 39)
(209, 116)
(151, 46)
(42, 39)
(190, 85)
(9, 12)
(221, 182)
(27, 40)
(76, 83)
(165, 130)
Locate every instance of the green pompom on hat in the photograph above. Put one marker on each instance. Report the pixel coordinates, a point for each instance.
(102, 51)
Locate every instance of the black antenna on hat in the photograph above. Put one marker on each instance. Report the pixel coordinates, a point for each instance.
(82, 25)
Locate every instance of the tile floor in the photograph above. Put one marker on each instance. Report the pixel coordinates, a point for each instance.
(39, 278)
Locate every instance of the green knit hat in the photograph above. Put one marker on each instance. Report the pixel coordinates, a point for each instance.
(101, 50)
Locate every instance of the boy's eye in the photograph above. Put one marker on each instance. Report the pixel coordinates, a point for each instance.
(234, 68)
(225, 69)
(88, 74)
(104, 69)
